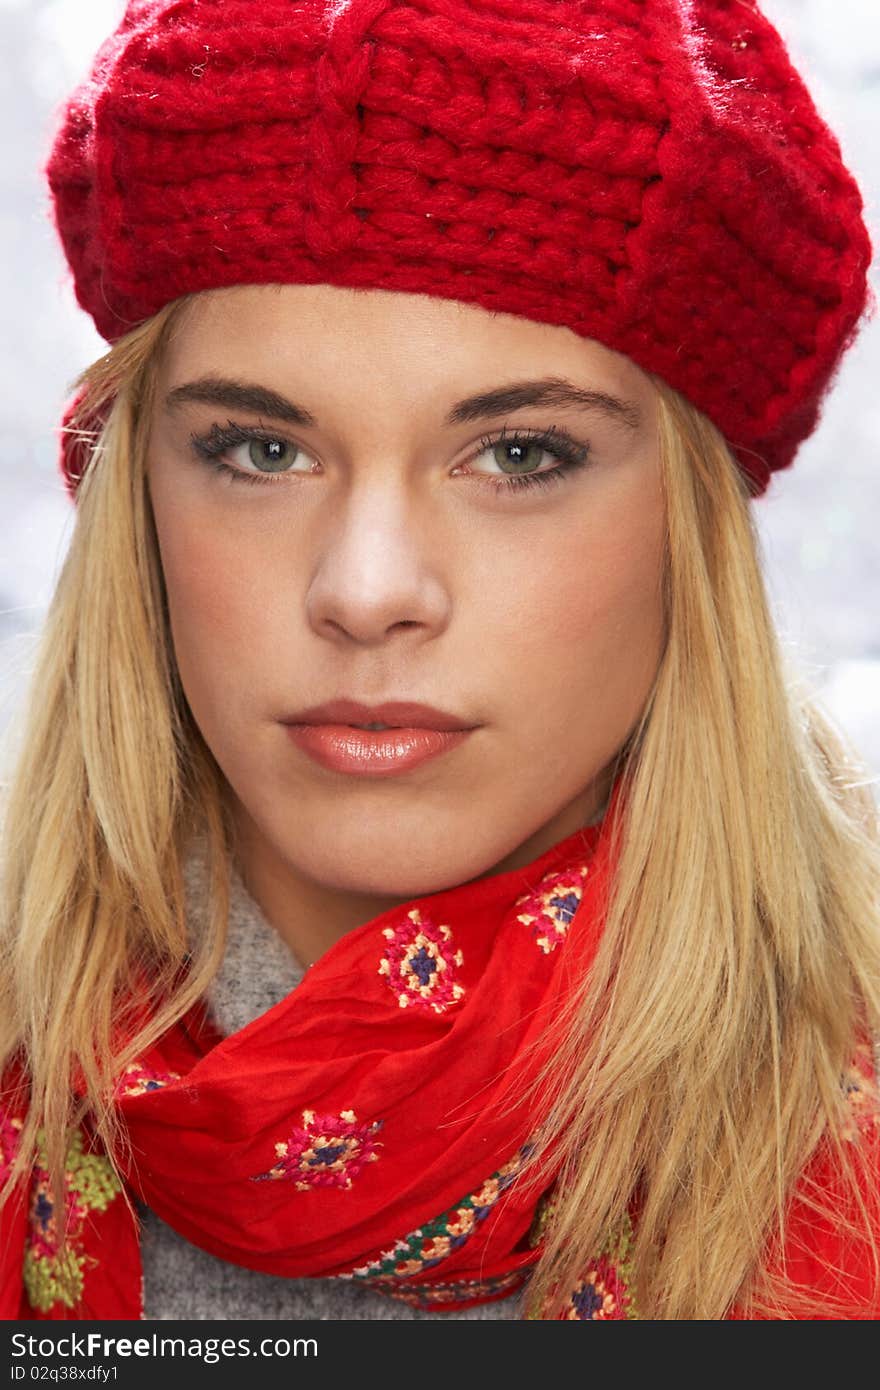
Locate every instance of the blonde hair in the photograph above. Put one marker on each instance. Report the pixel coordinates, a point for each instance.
(699, 1064)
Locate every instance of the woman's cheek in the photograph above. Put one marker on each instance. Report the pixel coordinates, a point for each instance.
(210, 581)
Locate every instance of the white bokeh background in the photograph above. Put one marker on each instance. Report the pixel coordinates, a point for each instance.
(819, 522)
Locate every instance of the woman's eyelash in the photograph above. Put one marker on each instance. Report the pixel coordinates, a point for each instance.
(570, 452)
(211, 447)
(563, 446)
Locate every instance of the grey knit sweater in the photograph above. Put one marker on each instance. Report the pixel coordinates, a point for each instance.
(182, 1281)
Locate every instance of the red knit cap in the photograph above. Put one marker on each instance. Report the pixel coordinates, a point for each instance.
(652, 174)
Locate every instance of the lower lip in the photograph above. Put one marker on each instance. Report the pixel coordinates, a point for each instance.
(372, 752)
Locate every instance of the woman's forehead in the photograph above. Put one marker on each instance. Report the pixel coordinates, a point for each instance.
(408, 350)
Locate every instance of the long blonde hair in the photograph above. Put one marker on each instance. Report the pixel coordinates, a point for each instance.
(700, 1063)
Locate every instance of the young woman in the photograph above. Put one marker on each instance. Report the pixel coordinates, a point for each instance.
(450, 351)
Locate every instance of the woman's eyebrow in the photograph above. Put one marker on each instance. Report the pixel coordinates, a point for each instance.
(552, 391)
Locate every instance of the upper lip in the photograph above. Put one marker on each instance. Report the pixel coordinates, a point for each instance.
(401, 714)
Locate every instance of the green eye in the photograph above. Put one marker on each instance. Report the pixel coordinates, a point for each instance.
(270, 455)
(527, 456)
(527, 448)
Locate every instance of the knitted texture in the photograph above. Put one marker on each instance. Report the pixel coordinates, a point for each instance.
(651, 174)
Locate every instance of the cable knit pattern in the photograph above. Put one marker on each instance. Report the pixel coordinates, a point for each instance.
(182, 1281)
(652, 174)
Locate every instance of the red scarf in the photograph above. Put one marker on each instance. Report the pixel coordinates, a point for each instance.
(351, 1130)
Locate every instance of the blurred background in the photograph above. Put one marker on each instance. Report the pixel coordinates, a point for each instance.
(819, 521)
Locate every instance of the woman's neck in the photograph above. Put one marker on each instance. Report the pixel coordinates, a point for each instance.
(311, 917)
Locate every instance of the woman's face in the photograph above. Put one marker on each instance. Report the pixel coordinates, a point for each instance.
(385, 555)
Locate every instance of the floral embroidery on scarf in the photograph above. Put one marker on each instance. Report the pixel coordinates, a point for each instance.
(328, 1151)
(10, 1129)
(420, 963)
(602, 1293)
(136, 1079)
(90, 1184)
(600, 1296)
(433, 1242)
(860, 1084)
(550, 907)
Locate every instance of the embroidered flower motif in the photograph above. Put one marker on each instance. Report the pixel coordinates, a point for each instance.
(328, 1151)
(136, 1079)
(599, 1296)
(550, 907)
(43, 1226)
(10, 1129)
(859, 1082)
(602, 1293)
(420, 963)
(433, 1242)
(90, 1184)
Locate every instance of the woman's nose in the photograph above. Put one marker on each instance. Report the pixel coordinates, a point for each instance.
(378, 567)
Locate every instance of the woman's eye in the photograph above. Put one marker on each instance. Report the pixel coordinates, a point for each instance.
(515, 458)
(265, 457)
(518, 458)
(270, 455)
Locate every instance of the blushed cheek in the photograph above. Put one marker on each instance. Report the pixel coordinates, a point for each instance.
(211, 601)
(591, 632)
(588, 587)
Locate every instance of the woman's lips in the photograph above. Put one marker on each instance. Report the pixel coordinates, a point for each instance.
(372, 752)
